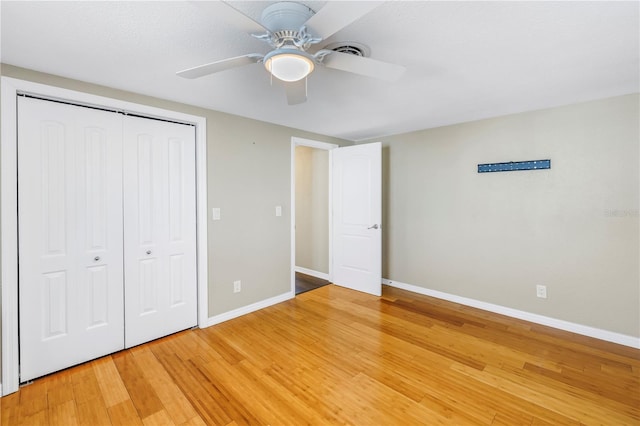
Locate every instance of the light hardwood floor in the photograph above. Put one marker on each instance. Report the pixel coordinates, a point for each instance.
(334, 356)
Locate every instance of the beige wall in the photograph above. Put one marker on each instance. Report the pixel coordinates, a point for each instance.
(492, 237)
(312, 209)
(248, 168)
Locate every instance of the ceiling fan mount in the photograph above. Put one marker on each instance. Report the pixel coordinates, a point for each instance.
(290, 29)
(284, 23)
(285, 15)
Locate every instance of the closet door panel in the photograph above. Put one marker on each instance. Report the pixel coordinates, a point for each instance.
(70, 235)
(182, 230)
(100, 218)
(160, 232)
(144, 206)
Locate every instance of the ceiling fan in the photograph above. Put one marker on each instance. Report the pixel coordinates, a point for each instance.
(292, 29)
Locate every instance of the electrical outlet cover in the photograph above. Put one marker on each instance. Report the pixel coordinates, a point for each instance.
(541, 291)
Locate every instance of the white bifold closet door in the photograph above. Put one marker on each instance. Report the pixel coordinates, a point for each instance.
(159, 229)
(107, 233)
(70, 235)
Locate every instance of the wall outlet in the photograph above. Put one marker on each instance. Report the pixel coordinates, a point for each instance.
(237, 286)
(541, 291)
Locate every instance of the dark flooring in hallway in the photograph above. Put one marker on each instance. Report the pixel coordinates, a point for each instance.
(305, 283)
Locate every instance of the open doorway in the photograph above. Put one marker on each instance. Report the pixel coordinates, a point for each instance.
(311, 247)
(354, 212)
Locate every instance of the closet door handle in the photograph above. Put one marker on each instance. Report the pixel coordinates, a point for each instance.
(97, 258)
(373, 227)
(148, 251)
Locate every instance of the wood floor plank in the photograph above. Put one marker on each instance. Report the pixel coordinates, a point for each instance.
(93, 412)
(160, 418)
(33, 399)
(60, 394)
(477, 395)
(336, 356)
(110, 382)
(35, 419)
(388, 406)
(538, 394)
(310, 393)
(218, 343)
(176, 405)
(63, 414)
(226, 386)
(387, 374)
(124, 414)
(197, 421)
(626, 393)
(194, 389)
(9, 406)
(504, 420)
(142, 393)
(262, 386)
(85, 383)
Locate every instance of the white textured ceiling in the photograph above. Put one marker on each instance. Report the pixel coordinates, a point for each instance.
(465, 60)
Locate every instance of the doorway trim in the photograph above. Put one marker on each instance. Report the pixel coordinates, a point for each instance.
(296, 141)
(10, 89)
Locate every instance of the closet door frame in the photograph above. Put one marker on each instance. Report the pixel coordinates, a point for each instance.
(10, 89)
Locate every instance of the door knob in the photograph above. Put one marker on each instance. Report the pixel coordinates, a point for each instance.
(148, 251)
(96, 258)
(373, 227)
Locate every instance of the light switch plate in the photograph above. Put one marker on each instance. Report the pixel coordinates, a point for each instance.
(278, 210)
(215, 213)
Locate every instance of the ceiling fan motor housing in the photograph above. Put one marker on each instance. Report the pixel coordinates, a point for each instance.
(285, 24)
(285, 16)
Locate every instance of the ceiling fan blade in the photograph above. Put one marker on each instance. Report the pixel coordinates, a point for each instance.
(363, 66)
(296, 91)
(232, 15)
(218, 66)
(334, 16)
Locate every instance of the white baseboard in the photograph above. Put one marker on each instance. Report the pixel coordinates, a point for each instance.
(312, 273)
(597, 333)
(247, 309)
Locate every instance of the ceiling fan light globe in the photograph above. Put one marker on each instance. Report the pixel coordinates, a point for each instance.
(289, 66)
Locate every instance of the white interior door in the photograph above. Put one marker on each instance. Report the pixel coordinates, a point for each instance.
(70, 235)
(159, 228)
(357, 216)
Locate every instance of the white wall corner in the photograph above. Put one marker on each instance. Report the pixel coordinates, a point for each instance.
(609, 336)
